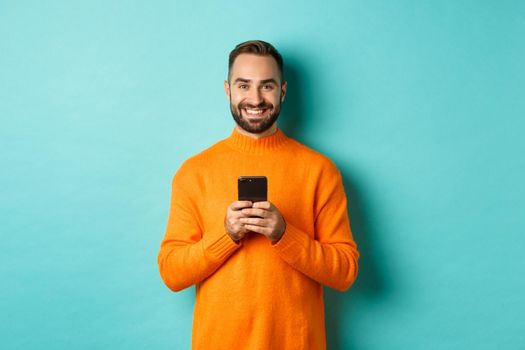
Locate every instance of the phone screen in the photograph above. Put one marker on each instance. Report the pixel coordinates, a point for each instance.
(252, 188)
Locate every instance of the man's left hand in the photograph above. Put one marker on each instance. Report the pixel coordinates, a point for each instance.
(269, 221)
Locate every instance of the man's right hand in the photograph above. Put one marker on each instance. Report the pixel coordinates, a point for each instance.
(232, 224)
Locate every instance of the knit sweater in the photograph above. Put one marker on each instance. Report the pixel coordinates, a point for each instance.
(255, 294)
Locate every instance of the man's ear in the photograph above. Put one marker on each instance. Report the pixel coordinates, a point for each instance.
(284, 85)
(227, 89)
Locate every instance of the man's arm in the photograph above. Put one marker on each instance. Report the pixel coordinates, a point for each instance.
(187, 256)
(331, 258)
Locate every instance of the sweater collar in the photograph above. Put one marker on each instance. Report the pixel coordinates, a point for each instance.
(247, 144)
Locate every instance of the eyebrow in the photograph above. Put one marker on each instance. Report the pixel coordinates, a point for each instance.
(243, 80)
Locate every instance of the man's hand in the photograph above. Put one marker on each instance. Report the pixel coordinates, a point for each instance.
(269, 222)
(232, 224)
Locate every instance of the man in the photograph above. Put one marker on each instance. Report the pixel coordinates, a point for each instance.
(258, 267)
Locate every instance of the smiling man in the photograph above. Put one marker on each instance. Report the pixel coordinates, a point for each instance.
(256, 93)
(259, 268)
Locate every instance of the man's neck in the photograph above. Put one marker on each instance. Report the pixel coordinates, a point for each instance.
(268, 132)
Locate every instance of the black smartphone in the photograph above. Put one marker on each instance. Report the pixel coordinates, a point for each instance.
(252, 188)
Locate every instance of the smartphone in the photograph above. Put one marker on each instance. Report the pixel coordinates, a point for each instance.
(252, 188)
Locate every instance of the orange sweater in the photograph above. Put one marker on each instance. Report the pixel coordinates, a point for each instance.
(255, 295)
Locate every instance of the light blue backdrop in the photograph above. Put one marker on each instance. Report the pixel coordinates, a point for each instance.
(419, 103)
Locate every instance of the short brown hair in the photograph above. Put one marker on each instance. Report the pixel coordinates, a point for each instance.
(256, 47)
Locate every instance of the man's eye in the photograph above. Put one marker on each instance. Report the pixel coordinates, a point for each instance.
(243, 86)
(268, 87)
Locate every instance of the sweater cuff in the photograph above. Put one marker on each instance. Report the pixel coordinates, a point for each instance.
(218, 247)
(292, 243)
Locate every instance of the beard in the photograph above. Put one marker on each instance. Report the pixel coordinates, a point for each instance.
(259, 126)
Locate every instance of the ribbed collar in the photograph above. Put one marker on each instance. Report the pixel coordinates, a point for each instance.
(247, 144)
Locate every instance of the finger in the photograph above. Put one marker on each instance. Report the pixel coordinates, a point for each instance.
(241, 213)
(254, 221)
(262, 205)
(259, 229)
(240, 204)
(255, 212)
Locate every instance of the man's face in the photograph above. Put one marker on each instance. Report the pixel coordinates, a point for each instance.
(255, 92)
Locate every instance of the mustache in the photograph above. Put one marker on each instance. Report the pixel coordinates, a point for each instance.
(262, 105)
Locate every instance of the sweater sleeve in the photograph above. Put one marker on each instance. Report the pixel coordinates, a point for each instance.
(187, 254)
(329, 258)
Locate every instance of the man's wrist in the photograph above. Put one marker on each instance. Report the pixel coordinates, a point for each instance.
(236, 241)
(281, 235)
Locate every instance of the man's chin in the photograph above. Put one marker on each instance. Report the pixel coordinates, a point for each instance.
(255, 127)
(255, 120)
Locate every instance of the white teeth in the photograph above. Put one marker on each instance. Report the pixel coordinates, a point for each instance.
(254, 111)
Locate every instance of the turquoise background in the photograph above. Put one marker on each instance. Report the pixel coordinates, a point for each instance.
(421, 104)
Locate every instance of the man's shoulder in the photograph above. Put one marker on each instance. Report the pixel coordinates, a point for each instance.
(200, 160)
(313, 157)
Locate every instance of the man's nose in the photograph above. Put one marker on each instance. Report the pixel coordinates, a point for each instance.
(255, 96)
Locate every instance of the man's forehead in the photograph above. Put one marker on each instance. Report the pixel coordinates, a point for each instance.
(251, 66)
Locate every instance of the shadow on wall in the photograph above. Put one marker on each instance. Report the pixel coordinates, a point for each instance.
(340, 308)
(293, 114)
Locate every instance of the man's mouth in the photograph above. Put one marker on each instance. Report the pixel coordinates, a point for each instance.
(255, 112)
